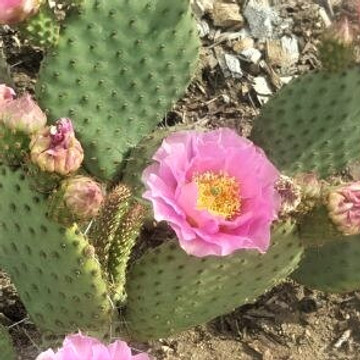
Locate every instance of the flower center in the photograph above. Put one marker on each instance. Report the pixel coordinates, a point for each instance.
(219, 194)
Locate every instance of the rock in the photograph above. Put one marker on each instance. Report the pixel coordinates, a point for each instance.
(202, 7)
(283, 52)
(243, 44)
(251, 55)
(227, 14)
(261, 18)
(229, 64)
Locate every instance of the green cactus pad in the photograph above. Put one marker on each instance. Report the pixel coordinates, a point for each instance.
(313, 124)
(118, 68)
(333, 267)
(53, 268)
(139, 158)
(6, 347)
(14, 146)
(170, 291)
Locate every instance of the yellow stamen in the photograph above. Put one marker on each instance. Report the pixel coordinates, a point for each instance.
(219, 194)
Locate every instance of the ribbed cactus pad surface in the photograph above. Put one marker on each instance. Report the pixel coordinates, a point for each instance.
(118, 68)
(6, 347)
(313, 124)
(170, 291)
(334, 267)
(53, 268)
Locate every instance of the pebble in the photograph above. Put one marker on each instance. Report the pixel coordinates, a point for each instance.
(227, 14)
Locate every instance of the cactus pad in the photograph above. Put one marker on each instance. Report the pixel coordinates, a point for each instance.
(333, 267)
(313, 124)
(53, 268)
(170, 291)
(116, 71)
(6, 347)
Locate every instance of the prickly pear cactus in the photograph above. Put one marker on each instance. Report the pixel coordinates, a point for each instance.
(333, 267)
(312, 124)
(118, 68)
(38, 254)
(169, 291)
(6, 347)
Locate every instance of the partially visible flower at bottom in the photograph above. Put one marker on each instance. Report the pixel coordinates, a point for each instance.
(81, 347)
(215, 189)
(343, 204)
(55, 149)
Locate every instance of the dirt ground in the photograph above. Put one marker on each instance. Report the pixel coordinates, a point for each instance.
(290, 322)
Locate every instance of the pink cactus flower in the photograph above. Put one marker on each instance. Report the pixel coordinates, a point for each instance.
(344, 208)
(55, 148)
(83, 196)
(6, 93)
(215, 189)
(22, 114)
(81, 347)
(15, 11)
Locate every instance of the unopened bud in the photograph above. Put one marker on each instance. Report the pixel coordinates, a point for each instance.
(15, 11)
(22, 114)
(6, 93)
(55, 149)
(83, 196)
(344, 208)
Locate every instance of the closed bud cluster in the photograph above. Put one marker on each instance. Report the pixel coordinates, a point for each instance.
(55, 149)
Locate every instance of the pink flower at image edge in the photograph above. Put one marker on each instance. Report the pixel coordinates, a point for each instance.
(81, 347)
(215, 189)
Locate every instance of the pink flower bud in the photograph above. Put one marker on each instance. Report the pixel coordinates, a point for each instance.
(22, 114)
(55, 149)
(83, 196)
(6, 93)
(15, 11)
(344, 208)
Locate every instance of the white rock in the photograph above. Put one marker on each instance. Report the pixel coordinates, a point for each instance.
(261, 18)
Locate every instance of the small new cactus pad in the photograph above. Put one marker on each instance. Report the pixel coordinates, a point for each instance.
(103, 230)
(333, 267)
(120, 251)
(118, 68)
(6, 347)
(170, 291)
(53, 268)
(313, 124)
